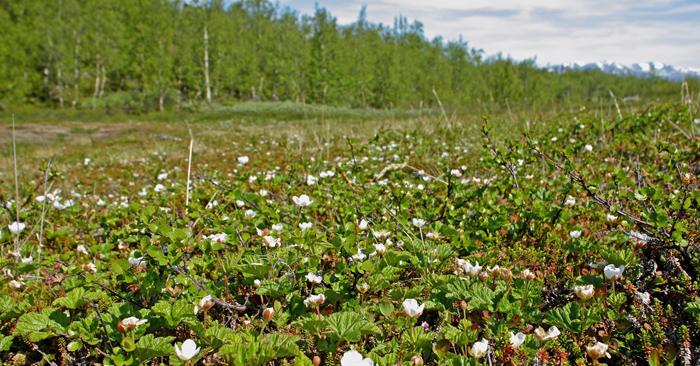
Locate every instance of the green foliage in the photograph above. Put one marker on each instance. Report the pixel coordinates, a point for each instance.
(134, 57)
(489, 243)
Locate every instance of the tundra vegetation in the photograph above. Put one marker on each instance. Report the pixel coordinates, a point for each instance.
(441, 241)
(314, 194)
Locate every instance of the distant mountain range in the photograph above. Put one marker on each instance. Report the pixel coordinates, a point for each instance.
(645, 69)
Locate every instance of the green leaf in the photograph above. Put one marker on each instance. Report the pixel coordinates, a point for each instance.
(481, 297)
(149, 347)
(5, 343)
(386, 308)
(693, 308)
(349, 326)
(75, 345)
(128, 344)
(74, 298)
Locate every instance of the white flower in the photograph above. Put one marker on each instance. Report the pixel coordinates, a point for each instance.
(474, 270)
(159, 188)
(313, 278)
(411, 308)
(278, 227)
(86, 161)
(380, 248)
(40, 198)
(479, 349)
(305, 225)
(28, 260)
(271, 241)
(552, 333)
(206, 303)
(517, 340)
(15, 284)
(302, 201)
(189, 350)
(162, 176)
(359, 256)
(584, 292)
(132, 323)
(354, 358)
(380, 233)
(527, 275)
(310, 180)
(250, 213)
(455, 173)
(612, 272)
(588, 148)
(16, 227)
(219, 238)
(240, 203)
(81, 249)
(243, 160)
(257, 283)
(554, 139)
(418, 222)
(639, 237)
(611, 218)
(137, 261)
(315, 300)
(570, 201)
(644, 297)
(264, 192)
(90, 267)
(362, 225)
(597, 350)
(575, 234)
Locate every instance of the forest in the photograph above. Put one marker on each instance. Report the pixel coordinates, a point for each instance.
(139, 56)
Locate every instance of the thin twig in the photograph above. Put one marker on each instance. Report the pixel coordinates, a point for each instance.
(14, 153)
(97, 309)
(189, 169)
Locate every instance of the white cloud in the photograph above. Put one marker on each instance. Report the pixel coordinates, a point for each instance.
(556, 32)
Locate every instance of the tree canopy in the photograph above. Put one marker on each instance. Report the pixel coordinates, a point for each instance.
(141, 55)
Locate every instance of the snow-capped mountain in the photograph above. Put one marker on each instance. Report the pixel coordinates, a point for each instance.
(645, 69)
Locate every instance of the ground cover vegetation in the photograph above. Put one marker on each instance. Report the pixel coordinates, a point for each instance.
(135, 57)
(424, 240)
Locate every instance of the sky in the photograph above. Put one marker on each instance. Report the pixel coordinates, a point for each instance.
(553, 31)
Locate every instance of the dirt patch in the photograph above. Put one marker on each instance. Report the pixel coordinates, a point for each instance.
(45, 133)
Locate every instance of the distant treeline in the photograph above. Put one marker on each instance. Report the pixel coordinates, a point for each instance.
(144, 55)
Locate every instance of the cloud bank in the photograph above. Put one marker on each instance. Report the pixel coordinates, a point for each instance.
(554, 32)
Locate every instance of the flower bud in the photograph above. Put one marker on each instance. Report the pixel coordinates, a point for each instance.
(363, 288)
(584, 292)
(597, 351)
(121, 327)
(527, 275)
(483, 276)
(463, 305)
(506, 274)
(317, 360)
(416, 360)
(268, 313)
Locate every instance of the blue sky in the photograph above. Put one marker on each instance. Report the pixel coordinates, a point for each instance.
(555, 32)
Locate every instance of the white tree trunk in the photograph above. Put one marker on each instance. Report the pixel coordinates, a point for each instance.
(206, 64)
(77, 68)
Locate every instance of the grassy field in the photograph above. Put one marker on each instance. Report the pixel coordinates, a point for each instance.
(489, 236)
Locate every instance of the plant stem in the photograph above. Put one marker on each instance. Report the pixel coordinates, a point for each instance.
(527, 290)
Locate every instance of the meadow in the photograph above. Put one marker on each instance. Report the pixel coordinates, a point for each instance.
(281, 233)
